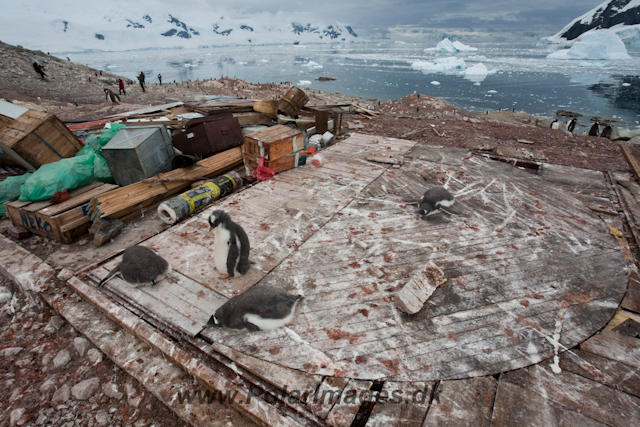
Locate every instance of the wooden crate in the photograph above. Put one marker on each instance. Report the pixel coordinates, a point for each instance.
(277, 165)
(62, 222)
(39, 138)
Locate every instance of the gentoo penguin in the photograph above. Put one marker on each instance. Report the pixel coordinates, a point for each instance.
(140, 265)
(259, 308)
(554, 124)
(606, 132)
(433, 199)
(595, 129)
(557, 125)
(231, 245)
(572, 125)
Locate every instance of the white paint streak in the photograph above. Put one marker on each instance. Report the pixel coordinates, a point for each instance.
(555, 341)
(507, 220)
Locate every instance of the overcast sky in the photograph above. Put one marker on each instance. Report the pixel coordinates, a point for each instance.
(546, 16)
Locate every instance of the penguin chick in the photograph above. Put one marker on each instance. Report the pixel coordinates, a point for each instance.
(433, 199)
(595, 129)
(606, 132)
(259, 308)
(231, 245)
(140, 265)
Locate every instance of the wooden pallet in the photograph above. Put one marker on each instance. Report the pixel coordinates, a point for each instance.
(62, 222)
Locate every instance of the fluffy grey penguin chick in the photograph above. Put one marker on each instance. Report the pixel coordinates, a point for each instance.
(231, 245)
(433, 199)
(140, 265)
(259, 308)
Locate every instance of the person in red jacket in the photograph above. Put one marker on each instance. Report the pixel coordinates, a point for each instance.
(121, 86)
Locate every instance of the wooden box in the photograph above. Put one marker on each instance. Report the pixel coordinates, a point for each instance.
(39, 138)
(214, 135)
(62, 222)
(281, 147)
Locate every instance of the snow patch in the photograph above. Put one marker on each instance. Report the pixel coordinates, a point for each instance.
(601, 44)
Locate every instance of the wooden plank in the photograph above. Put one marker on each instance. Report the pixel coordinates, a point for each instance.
(603, 403)
(631, 300)
(158, 307)
(401, 404)
(605, 371)
(345, 409)
(519, 406)
(327, 395)
(78, 197)
(462, 403)
(297, 384)
(614, 346)
(631, 160)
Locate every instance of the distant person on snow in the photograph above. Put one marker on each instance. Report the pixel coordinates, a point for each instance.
(39, 69)
(111, 94)
(141, 80)
(160, 78)
(121, 87)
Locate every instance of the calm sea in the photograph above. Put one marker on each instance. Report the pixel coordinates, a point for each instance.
(520, 76)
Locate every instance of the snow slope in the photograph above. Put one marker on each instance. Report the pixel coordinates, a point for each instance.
(74, 26)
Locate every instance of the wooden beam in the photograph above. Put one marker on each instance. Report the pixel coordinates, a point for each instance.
(630, 158)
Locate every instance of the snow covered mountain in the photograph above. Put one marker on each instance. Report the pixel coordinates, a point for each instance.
(72, 26)
(621, 16)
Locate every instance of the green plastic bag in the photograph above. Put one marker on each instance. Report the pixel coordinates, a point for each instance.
(65, 174)
(107, 134)
(101, 170)
(10, 190)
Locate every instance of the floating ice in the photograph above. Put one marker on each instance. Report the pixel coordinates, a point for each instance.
(435, 83)
(601, 44)
(451, 64)
(626, 84)
(313, 65)
(477, 70)
(492, 91)
(447, 46)
(304, 82)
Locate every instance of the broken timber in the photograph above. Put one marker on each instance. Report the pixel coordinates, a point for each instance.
(133, 200)
(422, 285)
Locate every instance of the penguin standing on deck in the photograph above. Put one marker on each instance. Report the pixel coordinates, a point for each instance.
(606, 132)
(231, 245)
(140, 266)
(595, 129)
(433, 199)
(572, 125)
(259, 308)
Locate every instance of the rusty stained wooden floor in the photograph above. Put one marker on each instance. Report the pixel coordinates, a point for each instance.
(523, 258)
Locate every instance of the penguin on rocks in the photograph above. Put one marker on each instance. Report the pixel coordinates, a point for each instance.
(260, 308)
(434, 199)
(231, 245)
(554, 124)
(606, 132)
(595, 129)
(572, 125)
(140, 266)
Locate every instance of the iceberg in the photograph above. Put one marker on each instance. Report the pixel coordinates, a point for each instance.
(598, 45)
(450, 64)
(477, 73)
(447, 46)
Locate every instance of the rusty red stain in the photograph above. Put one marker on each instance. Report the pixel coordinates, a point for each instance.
(360, 360)
(589, 368)
(446, 410)
(452, 337)
(354, 264)
(577, 298)
(391, 365)
(387, 258)
(353, 295)
(529, 323)
(487, 350)
(264, 226)
(336, 334)
(201, 293)
(364, 312)
(386, 229)
(524, 303)
(274, 350)
(481, 256)
(373, 215)
(461, 281)
(366, 290)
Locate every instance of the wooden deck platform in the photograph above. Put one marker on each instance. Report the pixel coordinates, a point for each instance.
(532, 270)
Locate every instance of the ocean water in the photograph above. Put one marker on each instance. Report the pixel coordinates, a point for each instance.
(520, 76)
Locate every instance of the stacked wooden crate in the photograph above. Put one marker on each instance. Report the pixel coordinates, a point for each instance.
(280, 146)
(37, 138)
(64, 221)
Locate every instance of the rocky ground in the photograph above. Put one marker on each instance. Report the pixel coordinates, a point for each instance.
(52, 376)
